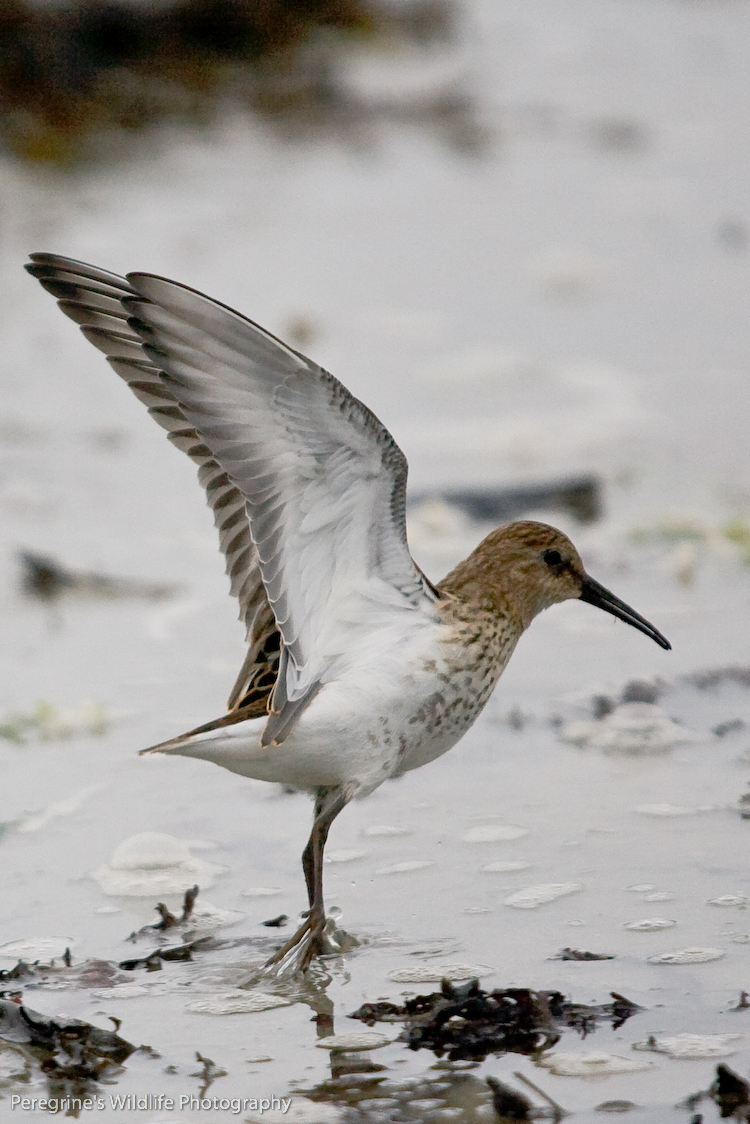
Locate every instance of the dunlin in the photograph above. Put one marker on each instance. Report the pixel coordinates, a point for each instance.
(358, 667)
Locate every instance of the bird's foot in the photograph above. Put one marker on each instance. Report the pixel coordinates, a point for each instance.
(316, 936)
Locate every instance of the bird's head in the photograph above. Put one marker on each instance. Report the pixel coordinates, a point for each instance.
(528, 566)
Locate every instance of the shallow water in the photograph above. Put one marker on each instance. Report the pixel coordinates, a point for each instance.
(563, 301)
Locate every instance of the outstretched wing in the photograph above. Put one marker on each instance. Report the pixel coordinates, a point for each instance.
(322, 482)
(93, 299)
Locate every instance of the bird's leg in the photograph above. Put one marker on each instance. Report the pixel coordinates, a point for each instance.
(328, 803)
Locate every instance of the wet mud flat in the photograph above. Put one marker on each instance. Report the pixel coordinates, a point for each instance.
(575, 845)
(589, 836)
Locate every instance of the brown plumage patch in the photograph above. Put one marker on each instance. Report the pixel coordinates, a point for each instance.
(259, 673)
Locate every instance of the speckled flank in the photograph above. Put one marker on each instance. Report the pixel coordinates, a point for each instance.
(476, 652)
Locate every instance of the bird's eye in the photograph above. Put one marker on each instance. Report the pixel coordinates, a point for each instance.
(552, 557)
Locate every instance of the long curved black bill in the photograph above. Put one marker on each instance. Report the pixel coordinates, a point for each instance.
(596, 594)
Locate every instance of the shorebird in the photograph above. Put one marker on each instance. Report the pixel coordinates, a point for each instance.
(358, 667)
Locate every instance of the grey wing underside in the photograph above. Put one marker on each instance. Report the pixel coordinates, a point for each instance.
(307, 487)
(92, 298)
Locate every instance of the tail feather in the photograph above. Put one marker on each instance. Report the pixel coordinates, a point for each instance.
(254, 710)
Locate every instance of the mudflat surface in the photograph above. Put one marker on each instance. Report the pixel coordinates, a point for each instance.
(572, 297)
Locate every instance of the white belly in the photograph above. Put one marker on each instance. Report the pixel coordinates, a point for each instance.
(380, 718)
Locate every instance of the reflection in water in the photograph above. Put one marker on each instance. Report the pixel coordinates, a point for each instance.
(461, 1026)
(372, 1094)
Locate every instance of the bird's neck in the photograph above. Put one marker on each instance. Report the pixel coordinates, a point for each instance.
(478, 583)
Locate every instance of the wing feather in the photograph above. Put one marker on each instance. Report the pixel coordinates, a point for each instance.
(307, 487)
(92, 298)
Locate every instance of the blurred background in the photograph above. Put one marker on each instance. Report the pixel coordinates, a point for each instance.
(519, 230)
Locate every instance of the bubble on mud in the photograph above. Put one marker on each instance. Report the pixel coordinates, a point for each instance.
(687, 956)
(649, 924)
(344, 856)
(405, 867)
(30, 949)
(355, 1040)
(152, 863)
(633, 727)
(238, 1003)
(533, 896)
(592, 1063)
(692, 1046)
(429, 973)
(503, 866)
(674, 809)
(261, 892)
(384, 829)
(494, 833)
(108, 909)
(660, 896)
(726, 901)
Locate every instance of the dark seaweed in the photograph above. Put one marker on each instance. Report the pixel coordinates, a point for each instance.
(469, 1023)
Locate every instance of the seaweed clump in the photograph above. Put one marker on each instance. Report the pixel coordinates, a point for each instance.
(468, 1023)
(70, 1052)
